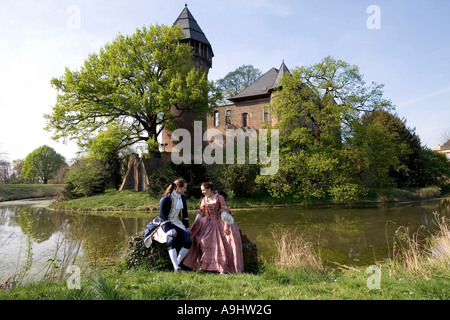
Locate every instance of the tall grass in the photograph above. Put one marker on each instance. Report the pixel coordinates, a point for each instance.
(440, 252)
(293, 252)
(419, 255)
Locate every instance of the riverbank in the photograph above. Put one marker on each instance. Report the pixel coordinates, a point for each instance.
(128, 200)
(10, 192)
(416, 271)
(269, 284)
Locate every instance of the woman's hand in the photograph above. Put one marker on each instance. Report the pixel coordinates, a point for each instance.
(226, 229)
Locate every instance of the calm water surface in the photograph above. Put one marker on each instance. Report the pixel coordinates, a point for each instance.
(352, 236)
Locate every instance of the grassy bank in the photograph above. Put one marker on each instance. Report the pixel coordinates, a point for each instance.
(271, 284)
(417, 271)
(28, 191)
(114, 200)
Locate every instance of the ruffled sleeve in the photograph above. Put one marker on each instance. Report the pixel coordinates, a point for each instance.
(222, 205)
(225, 211)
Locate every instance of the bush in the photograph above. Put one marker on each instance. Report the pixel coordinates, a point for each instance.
(85, 178)
(349, 192)
(235, 179)
(429, 192)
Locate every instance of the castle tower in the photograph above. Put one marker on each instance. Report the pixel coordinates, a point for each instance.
(196, 38)
(203, 55)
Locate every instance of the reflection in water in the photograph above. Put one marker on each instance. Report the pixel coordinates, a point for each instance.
(352, 236)
(59, 237)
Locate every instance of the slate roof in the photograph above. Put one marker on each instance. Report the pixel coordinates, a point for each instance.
(190, 26)
(263, 85)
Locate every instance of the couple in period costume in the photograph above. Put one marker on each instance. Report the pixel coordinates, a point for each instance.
(213, 243)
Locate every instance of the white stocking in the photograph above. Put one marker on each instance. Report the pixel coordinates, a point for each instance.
(173, 258)
(183, 253)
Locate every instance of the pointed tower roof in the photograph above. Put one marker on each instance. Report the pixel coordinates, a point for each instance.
(283, 69)
(190, 26)
(263, 85)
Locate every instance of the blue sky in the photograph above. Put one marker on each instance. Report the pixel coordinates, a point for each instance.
(409, 54)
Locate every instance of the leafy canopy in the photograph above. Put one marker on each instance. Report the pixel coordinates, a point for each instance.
(43, 163)
(123, 94)
(323, 100)
(237, 80)
(318, 114)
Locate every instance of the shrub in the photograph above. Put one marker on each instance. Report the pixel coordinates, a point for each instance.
(349, 192)
(85, 178)
(235, 179)
(429, 192)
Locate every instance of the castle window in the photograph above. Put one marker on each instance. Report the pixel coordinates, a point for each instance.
(196, 47)
(216, 118)
(228, 117)
(266, 114)
(245, 119)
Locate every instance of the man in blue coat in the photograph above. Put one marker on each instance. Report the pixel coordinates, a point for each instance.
(171, 226)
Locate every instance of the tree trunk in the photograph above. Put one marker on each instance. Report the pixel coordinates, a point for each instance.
(136, 176)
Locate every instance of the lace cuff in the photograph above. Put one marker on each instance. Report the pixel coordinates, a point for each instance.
(227, 217)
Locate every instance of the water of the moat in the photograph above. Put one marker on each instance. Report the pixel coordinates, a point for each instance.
(345, 235)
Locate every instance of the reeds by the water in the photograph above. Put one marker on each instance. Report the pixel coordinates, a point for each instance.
(419, 255)
(293, 252)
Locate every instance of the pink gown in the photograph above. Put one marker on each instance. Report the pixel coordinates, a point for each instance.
(211, 249)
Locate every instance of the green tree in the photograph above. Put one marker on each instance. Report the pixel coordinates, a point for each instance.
(323, 100)
(434, 169)
(43, 163)
(236, 81)
(373, 151)
(407, 146)
(317, 108)
(124, 94)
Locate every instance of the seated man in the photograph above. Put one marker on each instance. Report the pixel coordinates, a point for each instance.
(171, 226)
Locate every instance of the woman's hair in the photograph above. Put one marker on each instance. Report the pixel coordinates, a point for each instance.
(179, 182)
(208, 185)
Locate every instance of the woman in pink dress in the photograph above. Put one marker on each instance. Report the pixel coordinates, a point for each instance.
(216, 241)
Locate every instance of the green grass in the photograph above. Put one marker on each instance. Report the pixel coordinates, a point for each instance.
(270, 284)
(111, 200)
(129, 200)
(115, 200)
(27, 191)
(276, 280)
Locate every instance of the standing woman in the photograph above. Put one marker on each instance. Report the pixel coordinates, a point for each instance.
(216, 241)
(171, 226)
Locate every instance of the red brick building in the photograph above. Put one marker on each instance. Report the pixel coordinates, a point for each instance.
(249, 108)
